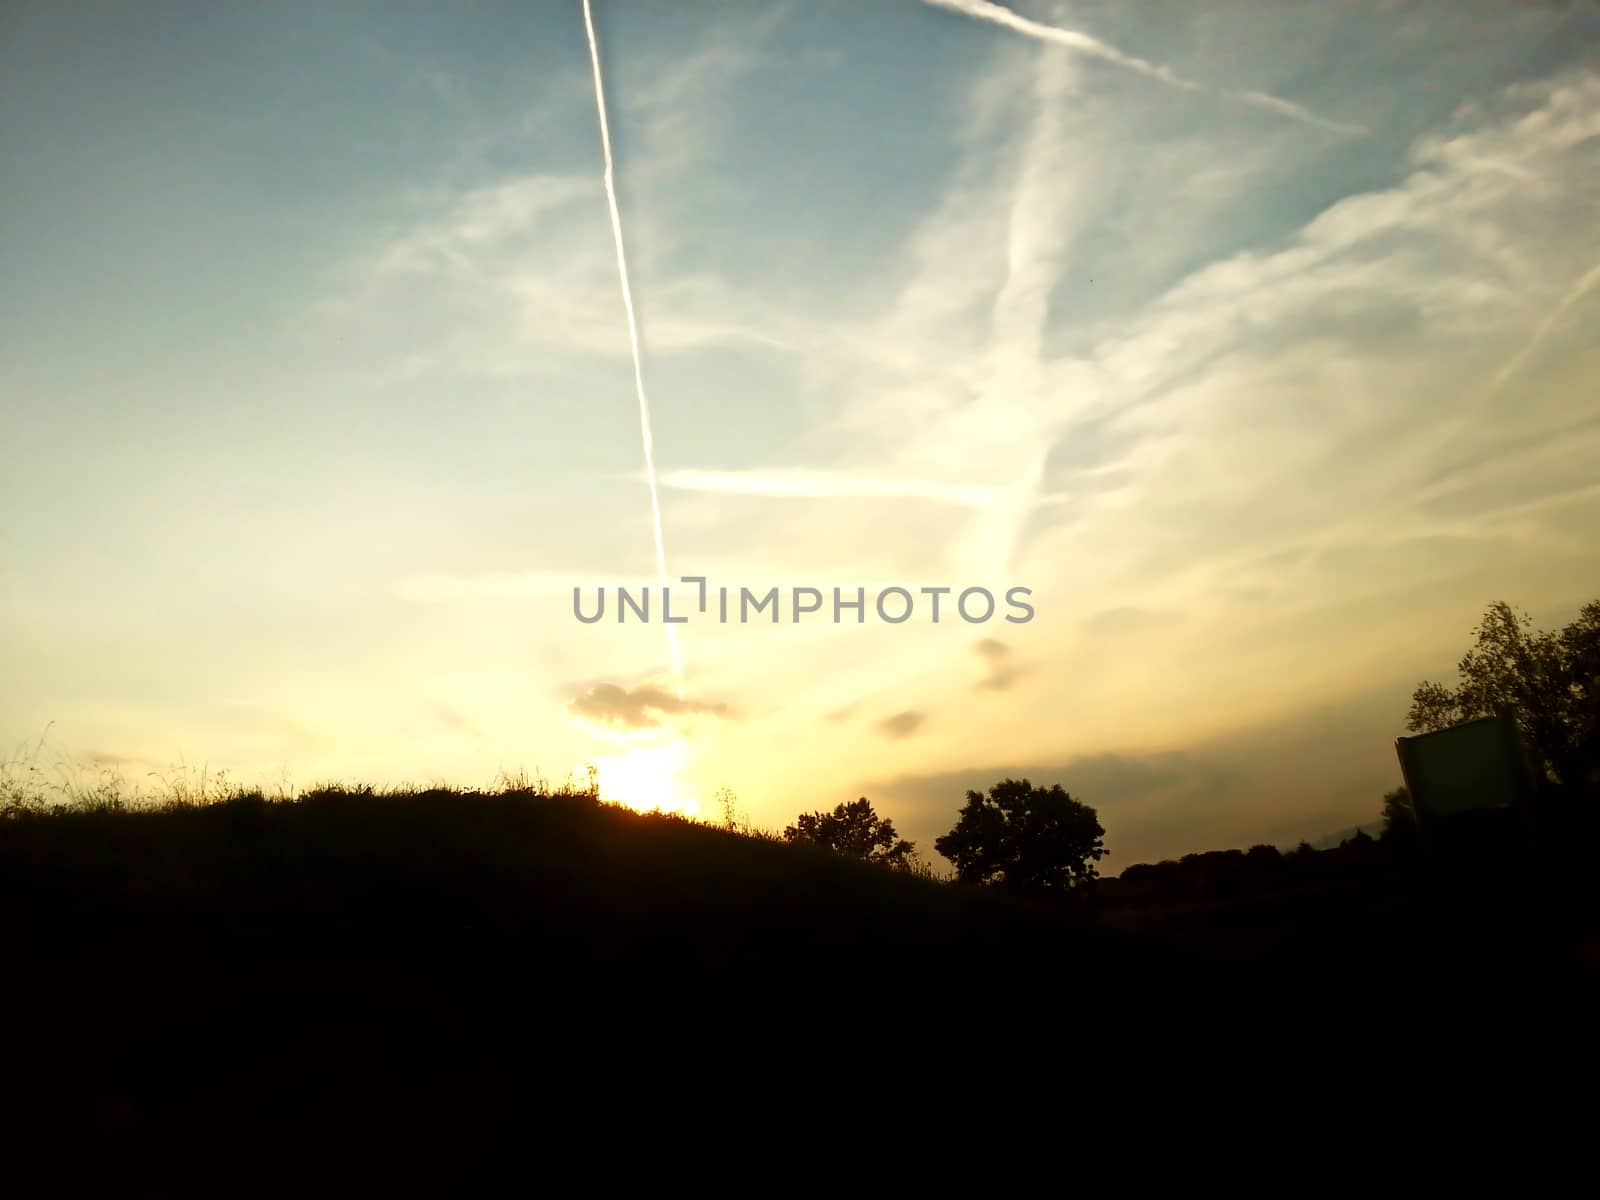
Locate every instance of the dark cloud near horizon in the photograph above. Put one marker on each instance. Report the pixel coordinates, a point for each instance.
(638, 708)
(105, 760)
(1142, 800)
(1322, 769)
(902, 725)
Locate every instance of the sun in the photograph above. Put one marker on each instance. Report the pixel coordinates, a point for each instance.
(646, 779)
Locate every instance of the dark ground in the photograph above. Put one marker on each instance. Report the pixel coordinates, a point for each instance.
(440, 969)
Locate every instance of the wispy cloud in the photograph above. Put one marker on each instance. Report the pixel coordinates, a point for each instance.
(1260, 413)
(1584, 284)
(821, 483)
(508, 268)
(501, 274)
(640, 707)
(902, 725)
(1003, 670)
(1257, 437)
(1253, 448)
(508, 585)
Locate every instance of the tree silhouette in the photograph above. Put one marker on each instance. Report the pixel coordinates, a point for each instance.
(1550, 681)
(1025, 838)
(853, 829)
(1399, 817)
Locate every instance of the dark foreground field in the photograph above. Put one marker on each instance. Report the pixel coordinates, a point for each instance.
(433, 965)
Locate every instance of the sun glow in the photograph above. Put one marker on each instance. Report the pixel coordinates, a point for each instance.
(647, 778)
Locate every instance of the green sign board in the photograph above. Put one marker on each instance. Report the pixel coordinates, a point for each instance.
(1475, 767)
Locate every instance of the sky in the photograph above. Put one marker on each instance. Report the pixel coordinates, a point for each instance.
(1258, 343)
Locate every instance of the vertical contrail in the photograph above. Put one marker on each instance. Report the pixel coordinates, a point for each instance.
(645, 433)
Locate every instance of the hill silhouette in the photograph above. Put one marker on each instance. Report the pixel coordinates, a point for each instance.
(349, 949)
(430, 964)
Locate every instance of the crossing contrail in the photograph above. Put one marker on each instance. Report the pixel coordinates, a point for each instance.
(998, 14)
(645, 433)
(1580, 288)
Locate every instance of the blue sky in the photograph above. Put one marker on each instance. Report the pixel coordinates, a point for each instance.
(1259, 342)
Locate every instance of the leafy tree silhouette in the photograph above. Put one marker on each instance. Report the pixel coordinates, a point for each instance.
(1550, 680)
(853, 829)
(1399, 818)
(1024, 838)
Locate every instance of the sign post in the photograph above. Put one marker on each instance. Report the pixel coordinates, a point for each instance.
(1471, 786)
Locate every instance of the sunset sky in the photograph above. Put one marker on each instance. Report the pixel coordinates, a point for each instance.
(1260, 342)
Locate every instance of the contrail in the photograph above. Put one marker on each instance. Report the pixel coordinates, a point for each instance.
(997, 14)
(645, 433)
(1580, 288)
(1475, 416)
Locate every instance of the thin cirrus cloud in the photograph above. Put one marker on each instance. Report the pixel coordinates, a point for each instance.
(1422, 251)
(1261, 413)
(1242, 456)
(504, 275)
(514, 273)
(1421, 246)
(1281, 398)
(820, 483)
(544, 585)
(1278, 417)
(1252, 367)
(1580, 288)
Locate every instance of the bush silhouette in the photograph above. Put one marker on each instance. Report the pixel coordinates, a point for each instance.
(853, 829)
(1025, 838)
(1399, 817)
